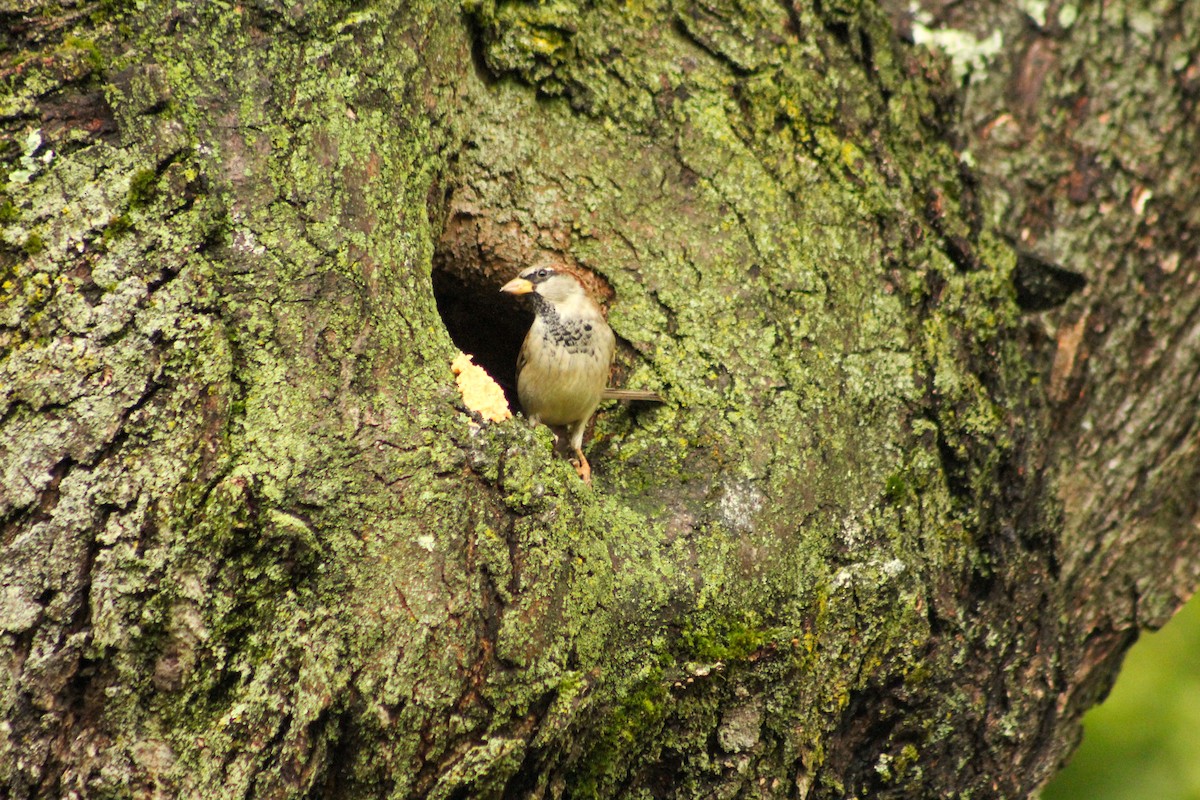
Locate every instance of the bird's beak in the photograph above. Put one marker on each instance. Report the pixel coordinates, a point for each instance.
(517, 286)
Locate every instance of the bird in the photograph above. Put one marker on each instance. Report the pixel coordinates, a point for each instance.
(563, 365)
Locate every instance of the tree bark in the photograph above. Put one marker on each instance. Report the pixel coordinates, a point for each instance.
(918, 286)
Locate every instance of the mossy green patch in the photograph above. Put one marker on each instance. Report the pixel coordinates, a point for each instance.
(896, 488)
(622, 740)
(723, 640)
(143, 185)
(117, 227)
(88, 48)
(34, 244)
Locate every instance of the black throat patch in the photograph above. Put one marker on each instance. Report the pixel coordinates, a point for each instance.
(573, 335)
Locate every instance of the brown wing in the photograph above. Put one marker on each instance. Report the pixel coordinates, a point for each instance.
(521, 361)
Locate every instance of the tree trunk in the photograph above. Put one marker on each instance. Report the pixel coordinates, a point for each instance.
(927, 326)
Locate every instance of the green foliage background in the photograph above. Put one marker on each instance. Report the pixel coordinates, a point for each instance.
(1143, 742)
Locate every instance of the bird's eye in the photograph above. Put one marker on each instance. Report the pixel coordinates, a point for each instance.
(543, 273)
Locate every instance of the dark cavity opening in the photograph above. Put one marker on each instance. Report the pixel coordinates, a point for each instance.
(482, 322)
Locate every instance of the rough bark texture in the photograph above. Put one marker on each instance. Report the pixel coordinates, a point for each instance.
(913, 493)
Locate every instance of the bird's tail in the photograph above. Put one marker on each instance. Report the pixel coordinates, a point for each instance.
(643, 395)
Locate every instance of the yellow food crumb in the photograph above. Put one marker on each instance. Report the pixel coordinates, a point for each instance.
(480, 393)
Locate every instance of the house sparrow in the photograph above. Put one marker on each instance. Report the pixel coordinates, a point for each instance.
(564, 362)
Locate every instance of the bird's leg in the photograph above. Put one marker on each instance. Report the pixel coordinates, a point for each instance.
(580, 463)
(568, 443)
(582, 467)
(562, 438)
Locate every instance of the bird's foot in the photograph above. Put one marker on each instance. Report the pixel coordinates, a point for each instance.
(582, 467)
